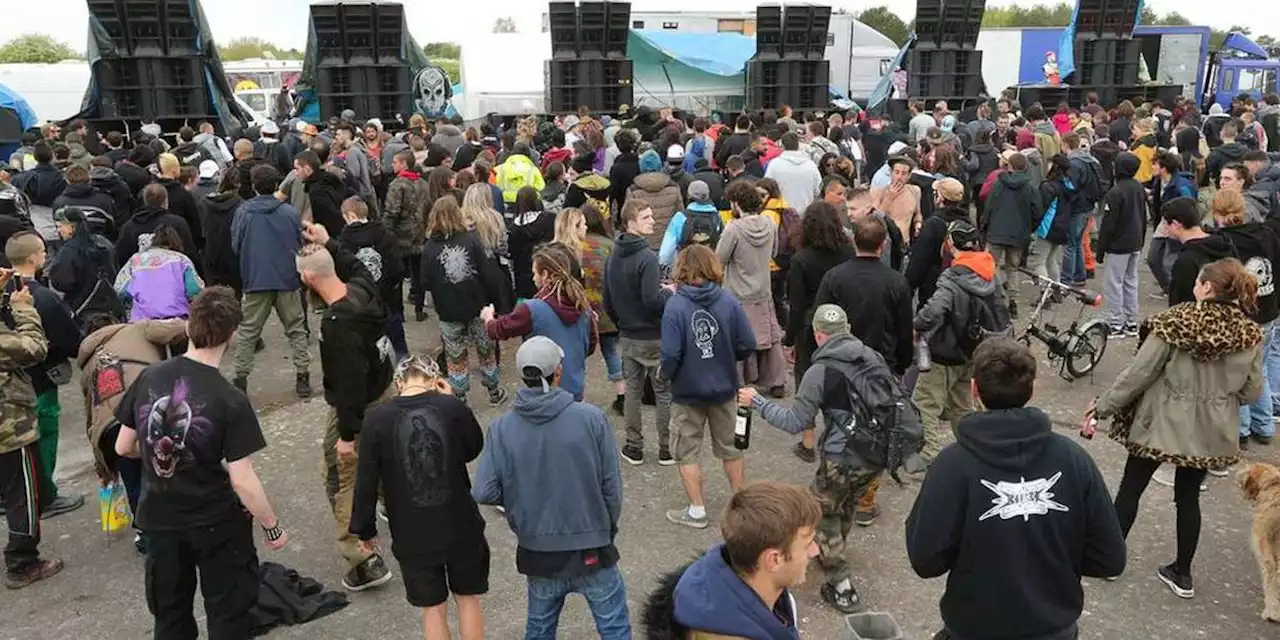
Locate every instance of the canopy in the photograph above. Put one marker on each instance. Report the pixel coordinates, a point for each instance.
(721, 54)
(16, 116)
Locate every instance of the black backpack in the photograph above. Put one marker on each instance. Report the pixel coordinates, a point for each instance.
(1090, 188)
(701, 227)
(884, 427)
(988, 318)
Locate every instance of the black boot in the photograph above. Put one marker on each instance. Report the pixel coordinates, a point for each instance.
(302, 387)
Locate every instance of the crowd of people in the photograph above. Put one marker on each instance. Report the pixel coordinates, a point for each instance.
(705, 258)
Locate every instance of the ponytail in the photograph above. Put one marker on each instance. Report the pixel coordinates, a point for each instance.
(1232, 283)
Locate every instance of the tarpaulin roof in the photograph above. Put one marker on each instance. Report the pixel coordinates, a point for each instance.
(9, 99)
(722, 54)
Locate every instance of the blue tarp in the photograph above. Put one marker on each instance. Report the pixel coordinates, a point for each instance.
(9, 99)
(1237, 41)
(884, 88)
(721, 54)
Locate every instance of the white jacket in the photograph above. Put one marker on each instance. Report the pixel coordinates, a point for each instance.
(798, 178)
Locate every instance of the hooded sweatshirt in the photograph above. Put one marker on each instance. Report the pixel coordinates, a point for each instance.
(136, 234)
(798, 178)
(1222, 156)
(945, 318)
(1011, 209)
(556, 318)
(633, 293)
(453, 271)
(378, 249)
(266, 234)
(705, 333)
(656, 189)
(1123, 223)
(525, 232)
(105, 180)
(1015, 514)
(747, 245)
(357, 370)
(552, 463)
(924, 269)
(710, 597)
(221, 266)
(449, 137)
(1193, 256)
(1259, 249)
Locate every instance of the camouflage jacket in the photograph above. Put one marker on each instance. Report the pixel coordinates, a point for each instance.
(403, 213)
(20, 347)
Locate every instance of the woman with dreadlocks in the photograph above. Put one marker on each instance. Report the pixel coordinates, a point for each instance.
(560, 310)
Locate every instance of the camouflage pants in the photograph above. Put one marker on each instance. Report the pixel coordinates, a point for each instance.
(839, 489)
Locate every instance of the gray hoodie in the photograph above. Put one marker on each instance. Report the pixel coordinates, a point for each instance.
(216, 147)
(746, 247)
(798, 178)
(449, 137)
(945, 317)
(1035, 165)
(358, 168)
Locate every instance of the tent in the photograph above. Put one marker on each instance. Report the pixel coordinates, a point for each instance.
(16, 116)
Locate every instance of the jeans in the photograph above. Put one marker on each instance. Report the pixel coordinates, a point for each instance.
(1160, 257)
(224, 557)
(612, 355)
(1120, 289)
(1271, 361)
(395, 333)
(1073, 256)
(1256, 418)
(1047, 260)
(606, 595)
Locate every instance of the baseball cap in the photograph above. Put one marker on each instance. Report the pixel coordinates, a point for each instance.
(830, 319)
(699, 192)
(69, 214)
(208, 169)
(348, 115)
(542, 354)
(964, 236)
(270, 128)
(570, 121)
(152, 129)
(675, 152)
(897, 147)
(950, 189)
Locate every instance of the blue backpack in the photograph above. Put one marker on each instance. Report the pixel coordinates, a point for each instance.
(697, 150)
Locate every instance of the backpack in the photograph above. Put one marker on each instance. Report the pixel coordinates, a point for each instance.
(987, 318)
(884, 426)
(701, 227)
(1090, 187)
(696, 150)
(789, 224)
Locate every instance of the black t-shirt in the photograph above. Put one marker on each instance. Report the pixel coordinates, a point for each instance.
(189, 419)
(417, 448)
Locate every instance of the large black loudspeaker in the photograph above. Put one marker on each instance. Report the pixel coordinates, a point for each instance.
(155, 69)
(599, 85)
(800, 84)
(948, 24)
(589, 31)
(789, 66)
(361, 65)
(1107, 18)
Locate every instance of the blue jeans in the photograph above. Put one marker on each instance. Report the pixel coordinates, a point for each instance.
(1073, 255)
(1256, 418)
(395, 333)
(606, 595)
(1271, 362)
(612, 355)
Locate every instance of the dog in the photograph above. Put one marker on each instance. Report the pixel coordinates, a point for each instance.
(1261, 485)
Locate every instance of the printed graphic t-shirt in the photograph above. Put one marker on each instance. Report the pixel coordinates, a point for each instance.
(188, 419)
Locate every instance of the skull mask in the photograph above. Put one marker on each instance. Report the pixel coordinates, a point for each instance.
(432, 91)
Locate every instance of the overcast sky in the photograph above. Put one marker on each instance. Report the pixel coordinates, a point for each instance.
(284, 21)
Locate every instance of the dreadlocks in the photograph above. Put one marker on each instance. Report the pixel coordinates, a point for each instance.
(554, 260)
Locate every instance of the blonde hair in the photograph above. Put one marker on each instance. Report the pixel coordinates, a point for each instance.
(479, 215)
(168, 165)
(567, 230)
(425, 368)
(445, 217)
(1145, 125)
(1228, 208)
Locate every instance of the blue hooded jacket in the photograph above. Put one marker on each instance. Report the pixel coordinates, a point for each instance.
(710, 597)
(266, 235)
(705, 333)
(552, 463)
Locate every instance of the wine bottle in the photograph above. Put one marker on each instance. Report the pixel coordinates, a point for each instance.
(742, 429)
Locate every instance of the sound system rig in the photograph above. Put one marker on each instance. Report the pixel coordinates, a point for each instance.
(360, 60)
(153, 69)
(944, 64)
(789, 67)
(589, 65)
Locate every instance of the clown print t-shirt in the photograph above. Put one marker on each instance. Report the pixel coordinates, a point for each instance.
(189, 419)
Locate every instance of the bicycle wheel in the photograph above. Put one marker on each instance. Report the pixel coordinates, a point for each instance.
(1086, 351)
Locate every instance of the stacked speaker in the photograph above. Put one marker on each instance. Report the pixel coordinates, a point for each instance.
(945, 64)
(589, 65)
(1106, 54)
(789, 66)
(360, 61)
(153, 69)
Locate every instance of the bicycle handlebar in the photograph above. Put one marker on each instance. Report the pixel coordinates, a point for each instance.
(1085, 296)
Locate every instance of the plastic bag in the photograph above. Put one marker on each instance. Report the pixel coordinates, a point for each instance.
(113, 504)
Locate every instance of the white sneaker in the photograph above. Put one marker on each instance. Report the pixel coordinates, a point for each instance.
(1164, 476)
(1218, 473)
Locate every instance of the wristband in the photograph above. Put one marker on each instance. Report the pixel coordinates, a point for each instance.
(273, 533)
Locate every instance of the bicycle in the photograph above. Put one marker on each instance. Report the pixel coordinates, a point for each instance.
(1078, 348)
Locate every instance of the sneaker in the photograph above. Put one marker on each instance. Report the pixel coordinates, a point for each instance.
(1111, 578)
(805, 454)
(1158, 295)
(44, 568)
(61, 505)
(302, 385)
(373, 572)
(868, 517)
(1218, 473)
(1261, 439)
(632, 454)
(140, 542)
(1244, 443)
(1115, 333)
(1164, 476)
(382, 513)
(241, 383)
(619, 405)
(844, 601)
(1088, 274)
(501, 509)
(682, 517)
(665, 458)
(497, 396)
(1013, 310)
(1131, 330)
(1179, 584)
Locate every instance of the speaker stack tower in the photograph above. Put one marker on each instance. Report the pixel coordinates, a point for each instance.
(361, 64)
(589, 65)
(155, 69)
(944, 64)
(789, 66)
(1106, 53)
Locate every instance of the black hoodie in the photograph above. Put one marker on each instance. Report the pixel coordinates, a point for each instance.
(134, 176)
(93, 201)
(454, 270)
(1223, 156)
(926, 253)
(183, 205)
(525, 233)
(356, 370)
(221, 266)
(1194, 255)
(1259, 249)
(138, 230)
(1015, 514)
(1123, 224)
(106, 180)
(325, 193)
(633, 293)
(1011, 209)
(379, 250)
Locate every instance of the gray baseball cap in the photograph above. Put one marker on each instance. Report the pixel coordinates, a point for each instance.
(699, 191)
(542, 354)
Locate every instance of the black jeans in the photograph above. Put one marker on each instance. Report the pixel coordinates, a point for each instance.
(1186, 499)
(417, 295)
(19, 470)
(224, 557)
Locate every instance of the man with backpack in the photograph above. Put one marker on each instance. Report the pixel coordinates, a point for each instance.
(1086, 175)
(849, 383)
(699, 223)
(963, 310)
